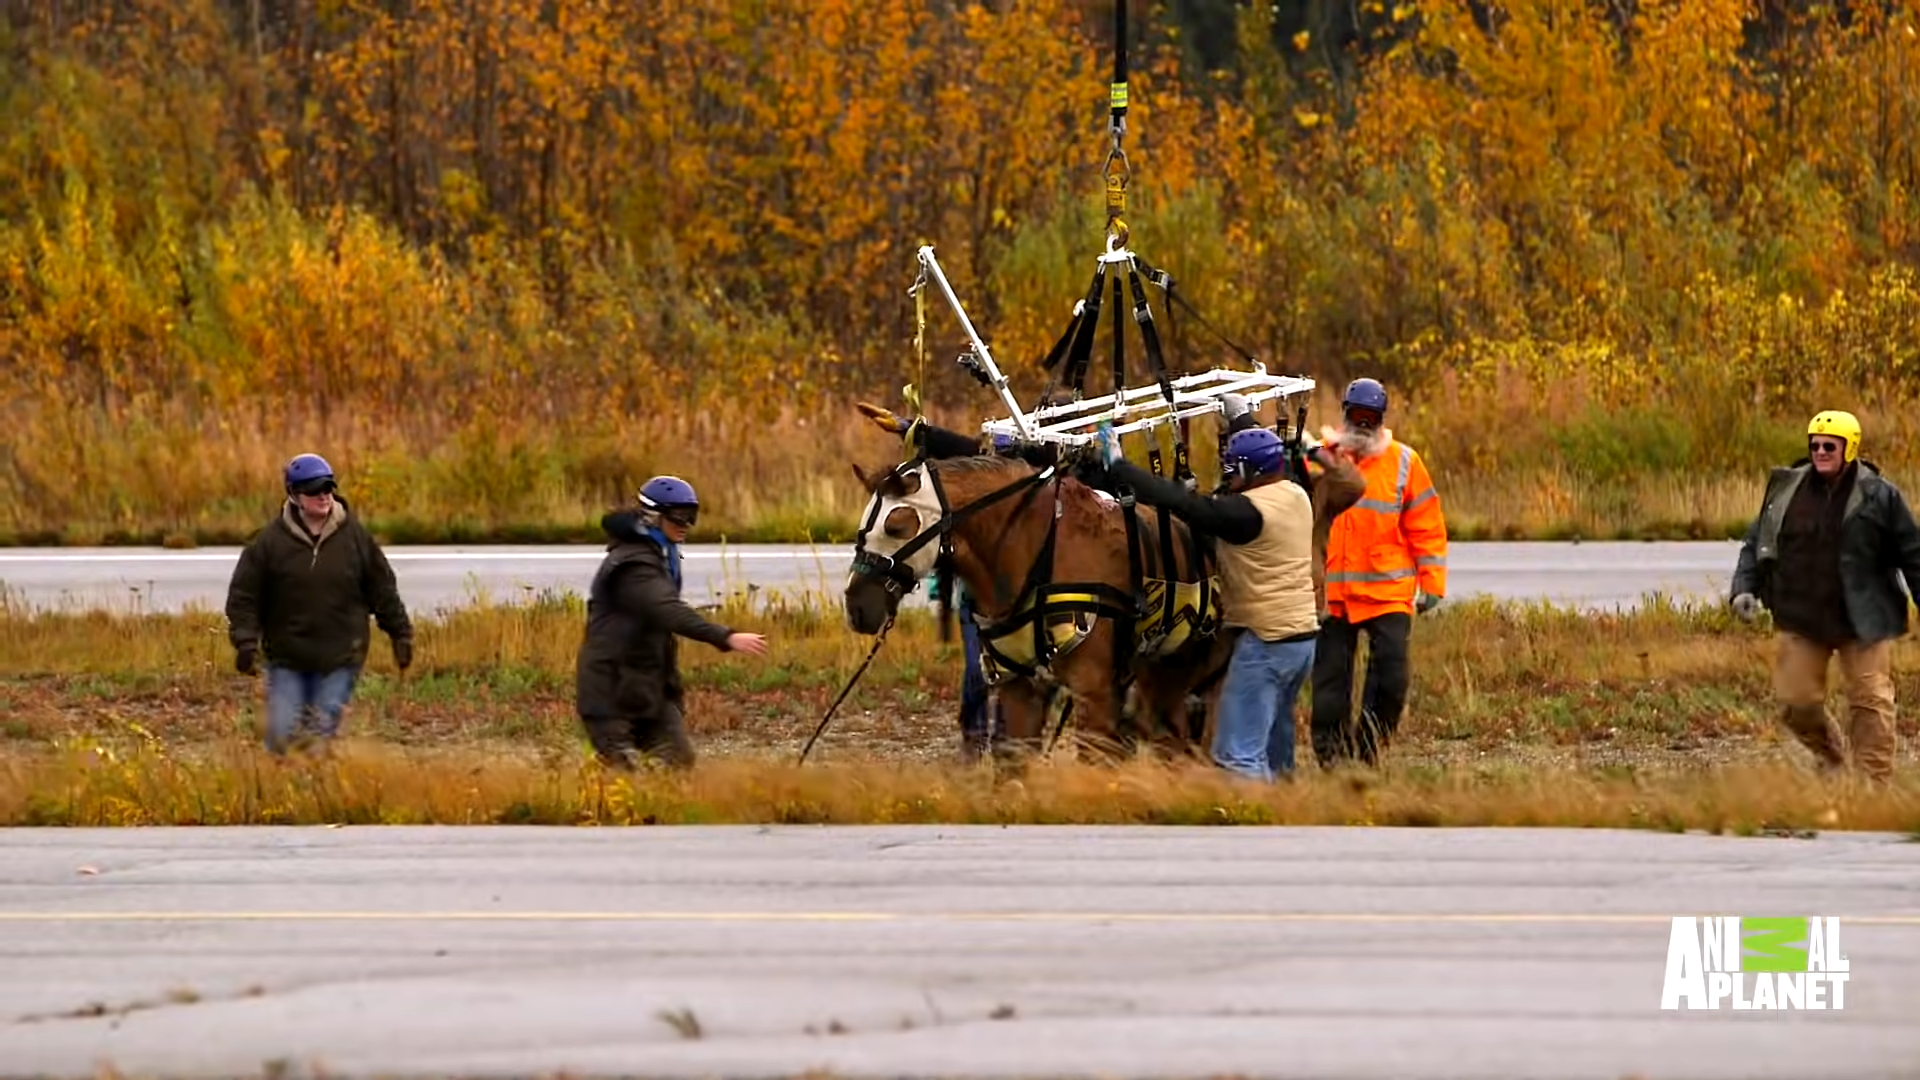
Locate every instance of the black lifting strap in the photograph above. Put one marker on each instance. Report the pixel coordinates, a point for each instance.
(1076, 343)
(1182, 468)
(1157, 366)
(1165, 281)
(1176, 298)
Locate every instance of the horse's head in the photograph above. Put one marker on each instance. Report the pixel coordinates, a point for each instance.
(914, 513)
(897, 543)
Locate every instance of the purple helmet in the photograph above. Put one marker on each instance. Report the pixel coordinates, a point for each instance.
(1365, 394)
(309, 474)
(672, 498)
(1254, 452)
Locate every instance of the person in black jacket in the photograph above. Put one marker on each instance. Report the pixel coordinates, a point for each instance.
(300, 597)
(1827, 553)
(627, 687)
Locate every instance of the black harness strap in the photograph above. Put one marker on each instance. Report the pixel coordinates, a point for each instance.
(1156, 366)
(1053, 358)
(1080, 354)
(1165, 282)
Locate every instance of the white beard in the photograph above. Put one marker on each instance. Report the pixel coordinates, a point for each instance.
(1357, 443)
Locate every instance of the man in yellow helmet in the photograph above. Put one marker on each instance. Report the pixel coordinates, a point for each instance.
(1827, 554)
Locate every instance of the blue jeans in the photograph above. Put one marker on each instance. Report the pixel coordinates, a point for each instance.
(973, 684)
(290, 696)
(1254, 734)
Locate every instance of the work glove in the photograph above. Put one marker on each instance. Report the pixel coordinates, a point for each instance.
(243, 658)
(1234, 406)
(1426, 602)
(1746, 606)
(885, 418)
(1108, 446)
(403, 652)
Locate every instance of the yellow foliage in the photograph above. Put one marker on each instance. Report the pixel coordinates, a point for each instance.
(491, 231)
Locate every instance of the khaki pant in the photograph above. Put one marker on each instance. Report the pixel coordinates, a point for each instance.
(1800, 684)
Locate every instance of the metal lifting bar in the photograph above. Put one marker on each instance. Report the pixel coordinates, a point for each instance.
(982, 358)
(1194, 395)
(1202, 398)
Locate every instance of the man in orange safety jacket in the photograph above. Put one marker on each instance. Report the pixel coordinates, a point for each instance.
(1386, 560)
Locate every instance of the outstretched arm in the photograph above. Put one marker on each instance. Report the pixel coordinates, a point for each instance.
(1231, 517)
(643, 588)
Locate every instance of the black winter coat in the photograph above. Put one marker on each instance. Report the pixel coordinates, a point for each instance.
(1879, 545)
(305, 600)
(628, 666)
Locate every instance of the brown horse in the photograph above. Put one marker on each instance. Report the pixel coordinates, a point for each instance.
(1048, 562)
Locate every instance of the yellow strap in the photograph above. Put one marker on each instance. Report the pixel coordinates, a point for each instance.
(911, 392)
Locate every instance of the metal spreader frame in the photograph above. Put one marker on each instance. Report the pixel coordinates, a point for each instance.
(1077, 422)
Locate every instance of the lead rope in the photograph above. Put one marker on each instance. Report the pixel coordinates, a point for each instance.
(844, 691)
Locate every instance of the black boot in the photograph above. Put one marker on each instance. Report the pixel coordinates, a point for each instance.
(613, 743)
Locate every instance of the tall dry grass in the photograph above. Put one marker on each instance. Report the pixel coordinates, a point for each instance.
(86, 784)
(1520, 714)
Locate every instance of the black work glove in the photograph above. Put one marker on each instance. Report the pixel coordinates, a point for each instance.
(243, 658)
(403, 652)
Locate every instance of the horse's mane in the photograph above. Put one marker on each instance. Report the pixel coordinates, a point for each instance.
(881, 476)
(981, 463)
(1103, 516)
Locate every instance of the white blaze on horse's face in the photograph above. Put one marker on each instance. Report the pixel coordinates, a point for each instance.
(900, 518)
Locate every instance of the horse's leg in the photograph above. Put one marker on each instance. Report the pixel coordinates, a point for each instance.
(1023, 709)
(1211, 678)
(1099, 703)
(1163, 694)
(1088, 674)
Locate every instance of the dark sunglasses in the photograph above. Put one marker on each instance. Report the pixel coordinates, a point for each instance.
(316, 487)
(1364, 417)
(683, 516)
(1826, 446)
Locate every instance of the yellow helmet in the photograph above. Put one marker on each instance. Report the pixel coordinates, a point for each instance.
(1842, 425)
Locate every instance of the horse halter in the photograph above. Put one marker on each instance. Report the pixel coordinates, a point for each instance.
(893, 570)
(894, 573)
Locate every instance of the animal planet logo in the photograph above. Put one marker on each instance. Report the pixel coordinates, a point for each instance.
(1795, 963)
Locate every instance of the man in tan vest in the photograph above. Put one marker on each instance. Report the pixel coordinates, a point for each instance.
(1265, 523)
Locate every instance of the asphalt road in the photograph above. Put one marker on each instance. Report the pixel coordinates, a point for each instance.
(924, 951)
(1599, 574)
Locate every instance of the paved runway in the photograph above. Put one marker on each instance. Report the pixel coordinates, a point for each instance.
(1601, 574)
(924, 951)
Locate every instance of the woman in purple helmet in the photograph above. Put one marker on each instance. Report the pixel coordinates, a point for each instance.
(627, 687)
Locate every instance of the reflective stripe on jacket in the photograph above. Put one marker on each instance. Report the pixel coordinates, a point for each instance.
(1390, 543)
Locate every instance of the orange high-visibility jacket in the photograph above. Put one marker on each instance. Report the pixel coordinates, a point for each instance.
(1390, 543)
